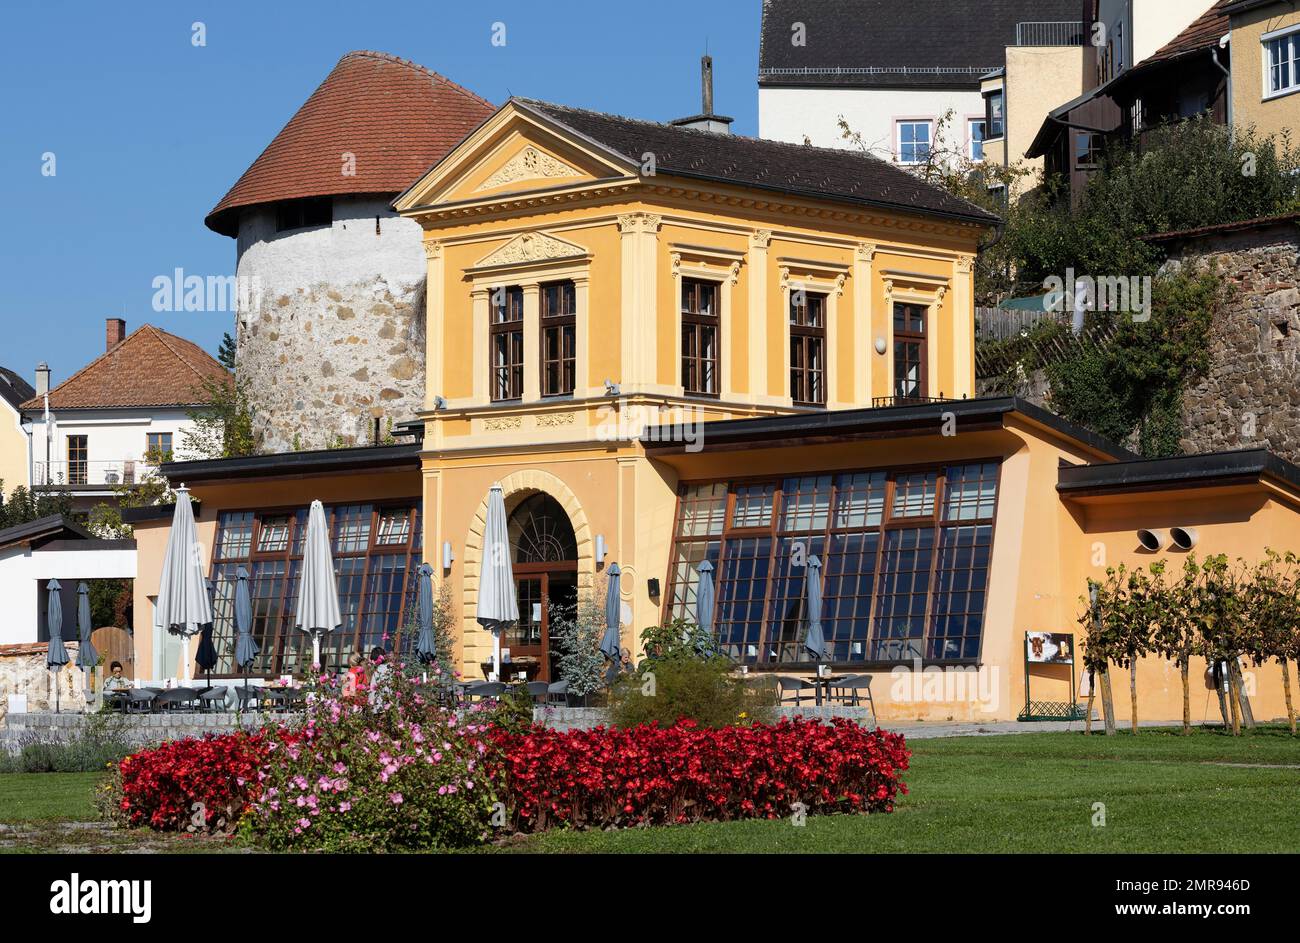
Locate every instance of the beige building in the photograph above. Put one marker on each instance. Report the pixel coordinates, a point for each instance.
(1265, 65)
(14, 467)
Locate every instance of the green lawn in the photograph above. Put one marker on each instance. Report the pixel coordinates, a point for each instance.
(1023, 793)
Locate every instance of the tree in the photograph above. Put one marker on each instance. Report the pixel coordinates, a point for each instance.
(577, 631)
(150, 489)
(222, 425)
(1175, 634)
(1222, 625)
(1101, 623)
(1272, 600)
(23, 505)
(226, 352)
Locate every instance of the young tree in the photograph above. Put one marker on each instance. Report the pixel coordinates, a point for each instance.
(1138, 614)
(222, 425)
(1175, 634)
(226, 352)
(1104, 635)
(1221, 619)
(1272, 601)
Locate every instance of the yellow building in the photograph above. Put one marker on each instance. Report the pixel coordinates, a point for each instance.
(14, 468)
(1265, 40)
(671, 346)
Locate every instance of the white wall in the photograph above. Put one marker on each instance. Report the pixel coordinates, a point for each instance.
(790, 114)
(1146, 25)
(112, 436)
(21, 569)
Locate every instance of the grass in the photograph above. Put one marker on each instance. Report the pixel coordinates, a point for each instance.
(1162, 792)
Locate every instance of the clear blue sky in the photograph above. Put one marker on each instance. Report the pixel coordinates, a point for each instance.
(148, 132)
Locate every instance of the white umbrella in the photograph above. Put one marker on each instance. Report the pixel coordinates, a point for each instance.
(497, 605)
(318, 590)
(183, 604)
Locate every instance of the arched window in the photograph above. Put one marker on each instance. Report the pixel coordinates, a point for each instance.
(540, 532)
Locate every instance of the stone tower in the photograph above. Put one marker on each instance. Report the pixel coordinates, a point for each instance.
(330, 328)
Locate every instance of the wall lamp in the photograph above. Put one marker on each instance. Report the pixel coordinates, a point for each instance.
(612, 388)
(600, 549)
(439, 403)
(652, 585)
(447, 555)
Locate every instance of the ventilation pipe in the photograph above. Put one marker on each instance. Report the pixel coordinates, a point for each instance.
(1184, 538)
(1152, 540)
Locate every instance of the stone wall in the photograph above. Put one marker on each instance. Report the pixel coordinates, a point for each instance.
(23, 671)
(1250, 396)
(137, 729)
(333, 337)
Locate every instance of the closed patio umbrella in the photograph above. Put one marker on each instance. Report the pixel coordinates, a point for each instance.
(704, 598)
(498, 606)
(87, 657)
(183, 604)
(815, 640)
(206, 655)
(246, 648)
(611, 644)
(56, 656)
(426, 648)
(318, 591)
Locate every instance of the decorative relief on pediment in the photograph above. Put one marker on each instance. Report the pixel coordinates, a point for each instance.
(532, 247)
(555, 419)
(502, 423)
(528, 164)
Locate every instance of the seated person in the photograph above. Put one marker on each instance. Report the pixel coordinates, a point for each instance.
(115, 680)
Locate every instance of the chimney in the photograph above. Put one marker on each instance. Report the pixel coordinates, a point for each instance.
(706, 120)
(42, 378)
(114, 332)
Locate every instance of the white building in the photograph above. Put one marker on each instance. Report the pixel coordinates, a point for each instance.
(893, 71)
(107, 419)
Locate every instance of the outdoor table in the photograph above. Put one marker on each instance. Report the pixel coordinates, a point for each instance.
(117, 699)
(824, 684)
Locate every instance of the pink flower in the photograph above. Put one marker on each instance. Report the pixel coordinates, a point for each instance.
(304, 823)
(345, 806)
(395, 798)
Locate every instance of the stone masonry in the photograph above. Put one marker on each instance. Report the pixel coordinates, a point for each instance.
(1250, 395)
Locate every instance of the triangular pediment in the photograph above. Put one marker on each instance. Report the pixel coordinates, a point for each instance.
(513, 152)
(531, 247)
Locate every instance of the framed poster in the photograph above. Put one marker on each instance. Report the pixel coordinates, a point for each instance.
(1049, 648)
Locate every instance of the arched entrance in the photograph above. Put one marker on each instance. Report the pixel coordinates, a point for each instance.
(544, 554)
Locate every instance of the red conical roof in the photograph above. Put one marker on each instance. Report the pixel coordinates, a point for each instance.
(396, 117)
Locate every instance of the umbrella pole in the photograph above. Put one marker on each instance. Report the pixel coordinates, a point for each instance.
(496, 654)
(315, 651)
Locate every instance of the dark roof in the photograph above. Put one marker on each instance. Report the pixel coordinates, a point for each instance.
(1262, 222)
(894, 44)
(1187, 471)
(968, 413)
(150, 367)
(833, 174)
(289, 464)
(396, 117)
(41, 529)
(14, 390)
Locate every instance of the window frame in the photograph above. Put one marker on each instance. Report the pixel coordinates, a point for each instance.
(562, 323)
(990, 134)
(803, 338)
(283, 643)
(921, 339)
(513, 331)
(695, 322)
(1093, 149)
(83, 463)
(1289, 36)
(899, 124)
(149, 450)
(972, 141)
(935, 522)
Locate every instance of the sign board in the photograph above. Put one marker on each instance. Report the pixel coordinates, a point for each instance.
(1049, 648)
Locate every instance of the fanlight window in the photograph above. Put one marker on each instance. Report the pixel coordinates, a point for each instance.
(540, 532)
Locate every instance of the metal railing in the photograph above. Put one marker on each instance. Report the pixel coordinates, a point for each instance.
(89, 473)
(1054, 33)
(883, 402)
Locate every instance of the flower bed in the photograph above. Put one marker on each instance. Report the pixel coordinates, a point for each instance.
(650, 775)
(408, 775)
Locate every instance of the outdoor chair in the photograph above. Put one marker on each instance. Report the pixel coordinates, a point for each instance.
(179, 700)
(248, 699)
(140, 701)
(557, 694)
(797, 688)
(852, 690)
(538, 691)
(213, 699)
(488, 689)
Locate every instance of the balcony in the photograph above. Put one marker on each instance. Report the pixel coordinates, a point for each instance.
(1050, 33)
(89, 475)
(885, 402)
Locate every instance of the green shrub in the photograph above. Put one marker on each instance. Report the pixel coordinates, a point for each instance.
(100, 742)
(514, 710)
(705, 690)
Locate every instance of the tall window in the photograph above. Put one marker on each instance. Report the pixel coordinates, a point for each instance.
(558, 326)
(909, 351)
(507, 343)
(914, 141)
(1282, 64)
(377, 551)
(902, 559)
(808, 348)
(158, 444)
(994, 104)
(78, 466)
(976, 134)
(700, 337)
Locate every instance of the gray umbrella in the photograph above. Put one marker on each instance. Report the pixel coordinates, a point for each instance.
(183, 606)
(497, 606)
(246, 648)
(815, 640)
(56, 656)
(704, 597)
(318, 590)
(425, 645)
(87, 657)
(611, 645)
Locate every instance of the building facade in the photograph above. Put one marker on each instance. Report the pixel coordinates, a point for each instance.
(739, 352)
(331, 328)
(14, 469)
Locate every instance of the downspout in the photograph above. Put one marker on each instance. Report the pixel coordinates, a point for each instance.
(1214, 55)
